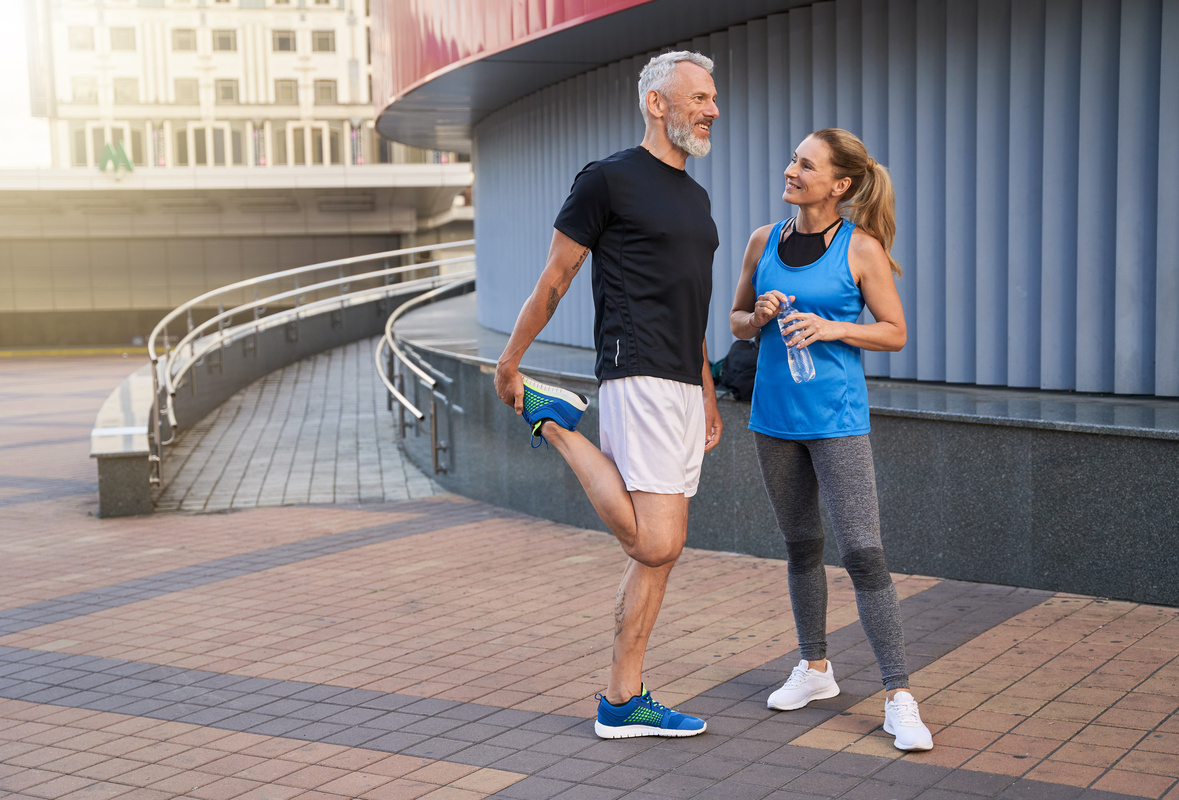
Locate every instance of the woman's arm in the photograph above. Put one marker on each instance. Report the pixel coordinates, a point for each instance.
(751, 312)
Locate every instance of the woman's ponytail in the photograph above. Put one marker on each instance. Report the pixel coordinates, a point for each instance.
(871, 202)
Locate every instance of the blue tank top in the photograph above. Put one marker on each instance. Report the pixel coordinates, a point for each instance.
(834, 402)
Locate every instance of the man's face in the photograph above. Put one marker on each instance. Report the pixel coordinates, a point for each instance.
(692, 108)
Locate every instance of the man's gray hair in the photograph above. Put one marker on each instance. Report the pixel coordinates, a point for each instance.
(660, 71)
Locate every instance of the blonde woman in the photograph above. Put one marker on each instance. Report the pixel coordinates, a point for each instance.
(830, 260)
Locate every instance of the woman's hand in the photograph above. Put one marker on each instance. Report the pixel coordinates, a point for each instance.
(765, 309)
(806, 328)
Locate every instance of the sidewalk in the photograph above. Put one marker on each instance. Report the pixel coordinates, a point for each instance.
(435, 647)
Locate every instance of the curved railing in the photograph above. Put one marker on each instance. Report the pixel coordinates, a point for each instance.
(308, 293)
(427, 376)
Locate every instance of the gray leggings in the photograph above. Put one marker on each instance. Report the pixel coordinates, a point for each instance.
(795, 474)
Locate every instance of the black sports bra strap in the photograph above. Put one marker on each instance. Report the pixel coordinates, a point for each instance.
(791, 226)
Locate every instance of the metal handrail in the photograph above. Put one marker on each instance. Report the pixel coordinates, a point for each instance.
(171, 362)
(225, 316)
(390, 341)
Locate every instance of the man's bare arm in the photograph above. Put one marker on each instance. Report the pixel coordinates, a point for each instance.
(565, 259)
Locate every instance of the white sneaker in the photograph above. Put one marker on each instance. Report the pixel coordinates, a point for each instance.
(903, 721)
(805, 684)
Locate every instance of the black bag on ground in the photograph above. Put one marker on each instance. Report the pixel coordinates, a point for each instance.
(739, 369)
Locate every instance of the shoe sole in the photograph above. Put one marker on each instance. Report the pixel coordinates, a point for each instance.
(633, 731)
(917, 746)
(579, 402)
(825, 694)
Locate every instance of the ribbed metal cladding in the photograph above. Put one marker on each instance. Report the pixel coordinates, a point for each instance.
(1033, 145)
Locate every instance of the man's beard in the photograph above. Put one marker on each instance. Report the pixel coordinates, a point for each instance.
(679, 130)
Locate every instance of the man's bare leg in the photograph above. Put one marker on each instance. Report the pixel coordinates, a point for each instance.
(651, 528)
(662, 518)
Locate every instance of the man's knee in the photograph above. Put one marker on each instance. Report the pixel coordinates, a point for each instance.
(657, 552)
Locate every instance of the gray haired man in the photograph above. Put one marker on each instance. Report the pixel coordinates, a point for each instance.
(650, 229)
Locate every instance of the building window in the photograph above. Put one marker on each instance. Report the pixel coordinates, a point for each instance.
(286, 92)
(81, 38)
(126, 91)
(226, 91)
(181, 149)
(184, 39)
(85, 90)
(188, 91)
(323, 2)
(323, 41)
(325, 93)
(225, 40)
(283, 41)
(122, 38)
(78, 148)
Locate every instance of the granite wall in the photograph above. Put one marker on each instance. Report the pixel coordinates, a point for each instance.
(1008, 504)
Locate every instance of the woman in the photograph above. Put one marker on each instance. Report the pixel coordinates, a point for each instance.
(812, 437)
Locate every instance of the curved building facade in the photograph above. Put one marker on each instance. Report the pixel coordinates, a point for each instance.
(1034, 147)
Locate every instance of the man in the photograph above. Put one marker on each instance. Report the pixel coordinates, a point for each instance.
(650, 229)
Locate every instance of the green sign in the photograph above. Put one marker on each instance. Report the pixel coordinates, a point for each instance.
(114, 155)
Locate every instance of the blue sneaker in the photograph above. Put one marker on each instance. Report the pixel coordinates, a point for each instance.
(542, 402)
(642, 716)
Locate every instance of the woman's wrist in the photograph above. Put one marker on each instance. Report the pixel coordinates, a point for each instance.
(753, 316)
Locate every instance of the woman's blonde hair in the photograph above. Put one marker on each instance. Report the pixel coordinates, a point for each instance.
(871, 203)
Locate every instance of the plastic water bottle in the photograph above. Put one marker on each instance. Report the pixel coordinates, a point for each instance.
(802, 367)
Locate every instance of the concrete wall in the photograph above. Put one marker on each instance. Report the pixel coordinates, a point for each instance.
(109, 291)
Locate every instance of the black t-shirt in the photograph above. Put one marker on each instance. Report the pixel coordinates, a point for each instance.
(650, 229)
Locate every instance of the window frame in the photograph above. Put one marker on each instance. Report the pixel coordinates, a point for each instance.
(123, 30)
(196, 96)
(184, 32)
(225, 83)
(231, 33)
(74, 44)
(125, 82)
(92, 95)
(323, 83)
(329, 37)
(284, 34)
(291, 83)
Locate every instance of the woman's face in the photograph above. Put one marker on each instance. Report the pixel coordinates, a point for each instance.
(810, 178)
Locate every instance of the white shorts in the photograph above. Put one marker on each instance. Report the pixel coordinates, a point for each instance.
(653, 429)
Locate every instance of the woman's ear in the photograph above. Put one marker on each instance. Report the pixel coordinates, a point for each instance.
(841, 186)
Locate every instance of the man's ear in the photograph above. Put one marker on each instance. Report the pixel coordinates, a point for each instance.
(656, 104)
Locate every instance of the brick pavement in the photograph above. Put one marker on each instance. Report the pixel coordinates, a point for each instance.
(316, 431)
(437, 647)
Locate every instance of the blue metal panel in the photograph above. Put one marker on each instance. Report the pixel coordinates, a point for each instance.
(929, 223)
(1137, 196)
(1097, 182)
(994, 71)
(1029, 145)
(802, 120)
(1024, 193)
(823, 65)
(1167, 294)
(902, 163)
(726, 129)
(1058, 295)
(762, 173)
(726, 265)
(777, 111)
(961, 165)
(849, 66)
(874, 95)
